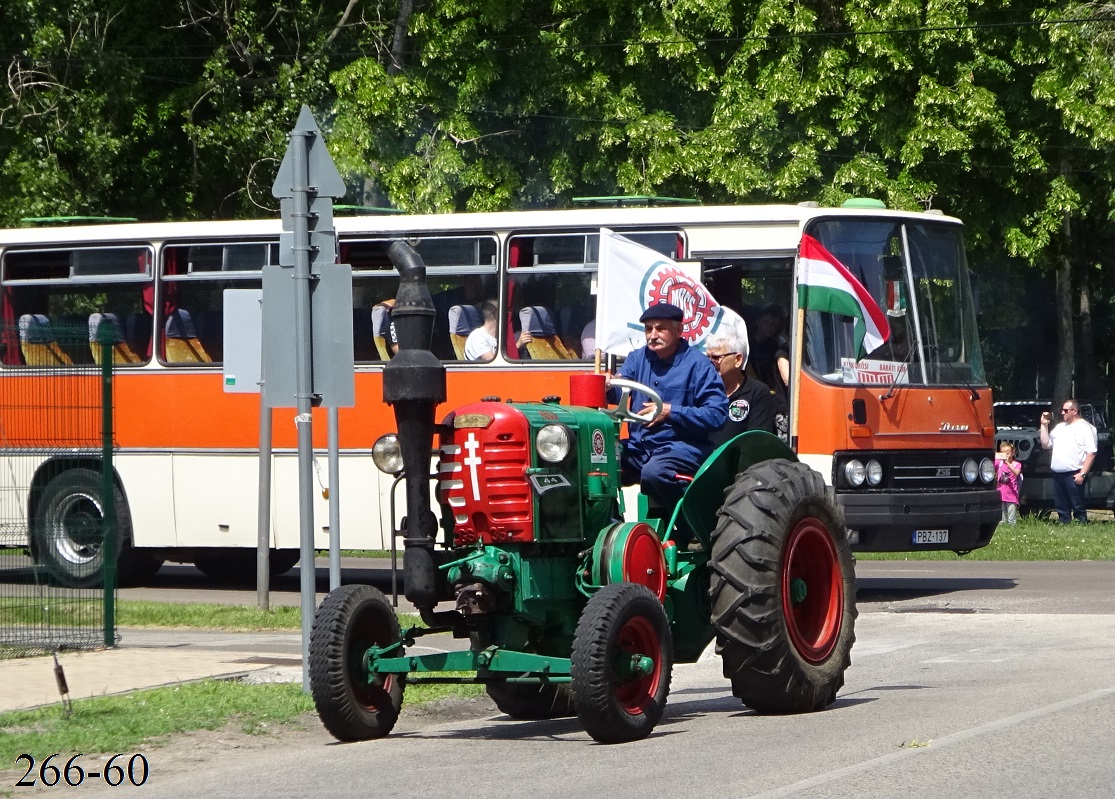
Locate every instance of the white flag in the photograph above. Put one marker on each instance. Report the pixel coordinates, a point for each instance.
(632, 278)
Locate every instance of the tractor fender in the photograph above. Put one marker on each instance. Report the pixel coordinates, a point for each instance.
(697, 510)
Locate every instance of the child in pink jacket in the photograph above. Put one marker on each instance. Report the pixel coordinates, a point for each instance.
(1009, 477)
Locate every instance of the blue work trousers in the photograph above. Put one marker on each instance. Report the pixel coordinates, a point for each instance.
(656, 470)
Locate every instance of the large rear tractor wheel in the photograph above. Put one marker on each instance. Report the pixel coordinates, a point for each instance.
(69, 533)
(351, 620)
(622, 660)
(782, 589)
(532, 702)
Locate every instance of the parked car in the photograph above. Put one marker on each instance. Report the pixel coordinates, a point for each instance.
(1016, 421)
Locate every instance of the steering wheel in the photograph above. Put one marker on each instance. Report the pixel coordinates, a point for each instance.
(622, 412)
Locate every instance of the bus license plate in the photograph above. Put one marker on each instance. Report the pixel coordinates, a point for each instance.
(931, 536)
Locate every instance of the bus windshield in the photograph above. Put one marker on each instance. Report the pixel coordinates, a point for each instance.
(917, 273)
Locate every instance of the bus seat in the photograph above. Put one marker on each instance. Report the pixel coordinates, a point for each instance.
(182, 345)
(381, 328)
(137, 332)
(572, 322)
(545, 343)
(121, 350)
(38, 344)
(463, 319)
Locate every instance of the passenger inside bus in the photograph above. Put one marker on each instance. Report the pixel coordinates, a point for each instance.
(464, 320)
(383, 333)
(481, 344)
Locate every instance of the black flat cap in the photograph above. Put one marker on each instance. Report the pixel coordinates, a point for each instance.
(663, 310)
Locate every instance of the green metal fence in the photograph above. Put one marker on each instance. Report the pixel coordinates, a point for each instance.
(57, 499)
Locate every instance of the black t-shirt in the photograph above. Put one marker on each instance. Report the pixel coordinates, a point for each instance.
(750, 407)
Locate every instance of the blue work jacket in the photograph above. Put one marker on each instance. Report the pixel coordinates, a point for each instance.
(690, 384)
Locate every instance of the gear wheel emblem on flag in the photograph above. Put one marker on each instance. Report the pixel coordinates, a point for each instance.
(669, 284)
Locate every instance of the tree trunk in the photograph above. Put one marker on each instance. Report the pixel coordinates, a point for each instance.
(1090, 383)
(399, 39)
(1062, 386)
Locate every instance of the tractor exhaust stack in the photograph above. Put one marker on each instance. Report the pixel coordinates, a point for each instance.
(414, 385)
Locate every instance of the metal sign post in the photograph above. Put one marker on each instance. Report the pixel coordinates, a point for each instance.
(305, 185)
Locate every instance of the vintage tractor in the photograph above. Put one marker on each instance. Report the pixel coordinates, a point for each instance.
(568, 609)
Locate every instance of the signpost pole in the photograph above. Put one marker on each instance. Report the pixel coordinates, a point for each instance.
(322, 343)
(303, 420)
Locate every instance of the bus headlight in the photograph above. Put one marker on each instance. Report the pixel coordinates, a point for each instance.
(387, 455)
(553, 443)
(970, 470)
(855, 473)
(987, 470)
(874, 472)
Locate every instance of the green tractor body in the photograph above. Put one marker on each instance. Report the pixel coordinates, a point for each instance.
(569, 609)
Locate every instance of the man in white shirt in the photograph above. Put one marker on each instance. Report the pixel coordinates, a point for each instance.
(1074, 444)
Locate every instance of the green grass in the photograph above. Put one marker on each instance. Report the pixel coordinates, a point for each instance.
(141, 720)
(135, 613)
(126, 723)
(1030, 539)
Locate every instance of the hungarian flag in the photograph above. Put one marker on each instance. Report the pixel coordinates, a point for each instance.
(825, 284)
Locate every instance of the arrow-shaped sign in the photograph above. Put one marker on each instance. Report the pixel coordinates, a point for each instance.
(324, 179)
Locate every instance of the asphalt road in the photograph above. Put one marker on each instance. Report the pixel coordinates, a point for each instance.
(969, 679)
(951, 586)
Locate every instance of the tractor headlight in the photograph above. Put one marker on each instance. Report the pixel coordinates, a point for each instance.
(987, 470)
(387, 455)
(874, 473)
(970, 470)
(855, 473)
(553, 442)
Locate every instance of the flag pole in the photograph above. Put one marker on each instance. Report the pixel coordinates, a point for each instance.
(795, 376)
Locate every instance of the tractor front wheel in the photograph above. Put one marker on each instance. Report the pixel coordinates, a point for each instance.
(622, 660)
(353, 707)
(782, 589)
(532, 702)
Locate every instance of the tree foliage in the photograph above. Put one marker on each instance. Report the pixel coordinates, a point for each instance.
(1000, 112)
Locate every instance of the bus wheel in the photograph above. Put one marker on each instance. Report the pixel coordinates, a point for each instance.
(782, 589)
(69, 529)
(351, 620)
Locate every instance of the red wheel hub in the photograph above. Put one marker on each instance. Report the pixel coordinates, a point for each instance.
(812, 589)
(638, 637)
(367, 631)
(643, 561)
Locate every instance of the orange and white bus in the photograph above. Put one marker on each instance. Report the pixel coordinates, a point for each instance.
(904, 436)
